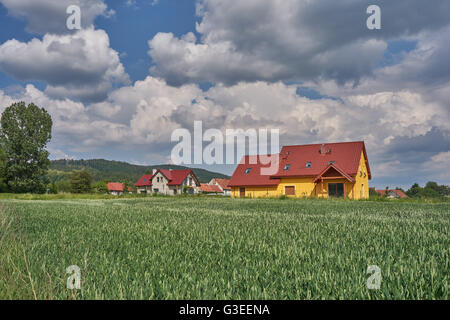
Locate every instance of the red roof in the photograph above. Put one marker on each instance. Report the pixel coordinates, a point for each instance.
(223, 183)
(114, 186)
(177, 177)
(247, 174)
(145, 181)
(344, 157)
(335, 171)
(399, 193)
(210, 188)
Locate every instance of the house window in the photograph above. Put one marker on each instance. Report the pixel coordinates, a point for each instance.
(247, 171)
(309, 164)
(287, 167)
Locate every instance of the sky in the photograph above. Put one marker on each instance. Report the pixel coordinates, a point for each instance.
(140, 69)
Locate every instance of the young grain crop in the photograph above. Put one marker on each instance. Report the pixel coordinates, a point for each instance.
(214, 248)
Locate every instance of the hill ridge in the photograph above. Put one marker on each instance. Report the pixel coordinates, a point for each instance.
(113, 170)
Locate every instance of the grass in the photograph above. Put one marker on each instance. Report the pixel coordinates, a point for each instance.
(219, 248)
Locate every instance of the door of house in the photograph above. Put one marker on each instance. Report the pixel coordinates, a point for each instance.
(336, 190)
(242, 192)
(289, 191)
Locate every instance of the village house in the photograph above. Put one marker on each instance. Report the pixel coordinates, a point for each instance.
(222, 184)
(169, 182)
(210, 189)
(318, 170)
(392, 194)
(115, 188)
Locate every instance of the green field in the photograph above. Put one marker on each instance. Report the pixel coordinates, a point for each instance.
(217, 248)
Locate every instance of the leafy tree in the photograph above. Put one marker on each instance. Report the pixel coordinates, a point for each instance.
(53, 188)
(100, 187)
(414, 191)
(431, 190)
(63, 185)
(373, 193)
(3, 163)
(80, 181)
(24, 134)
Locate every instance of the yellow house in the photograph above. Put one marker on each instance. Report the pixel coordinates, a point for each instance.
(318, 170)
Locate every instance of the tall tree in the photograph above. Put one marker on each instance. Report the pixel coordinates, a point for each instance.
(3, 163)
(80, 181)
(24, 134)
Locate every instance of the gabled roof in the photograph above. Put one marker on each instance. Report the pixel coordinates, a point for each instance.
(223, 183)
(253, 178)
(114, 186)
(335, 171)
(398, 193)
(346, 155)
(177, 177)
(210, 188)
(145, 181)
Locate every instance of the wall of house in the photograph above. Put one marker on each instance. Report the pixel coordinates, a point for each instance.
(159, 182)
(147, 189)
(189, 182)
(361, 187)
(255, 192)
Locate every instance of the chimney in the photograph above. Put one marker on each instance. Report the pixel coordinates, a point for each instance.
(322, 150)
(154, 171)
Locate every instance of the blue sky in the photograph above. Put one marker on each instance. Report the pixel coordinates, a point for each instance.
(138, 70)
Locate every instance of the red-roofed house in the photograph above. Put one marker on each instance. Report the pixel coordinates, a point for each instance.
(318, 170)
(144, 185)
(393, 194)
(210, 189)
(169, 182)
(115, 188)
(223, 185)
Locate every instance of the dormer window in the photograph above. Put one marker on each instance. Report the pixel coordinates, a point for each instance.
(247, 171)
(308, 165)
(287, 167)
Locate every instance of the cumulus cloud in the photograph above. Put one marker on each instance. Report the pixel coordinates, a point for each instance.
(286, 40)
(401, 129)
(49, 16)
(80, 66)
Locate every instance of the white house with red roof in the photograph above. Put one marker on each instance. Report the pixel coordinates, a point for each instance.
(169, 182)
(115, 188)
(223, 185)
(317, 170)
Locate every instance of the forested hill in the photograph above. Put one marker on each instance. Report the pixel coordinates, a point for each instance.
(118, 171)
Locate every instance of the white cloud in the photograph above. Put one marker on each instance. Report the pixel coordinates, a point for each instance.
(285, 40)
(49, 16)
(79, 66)
(138, 121)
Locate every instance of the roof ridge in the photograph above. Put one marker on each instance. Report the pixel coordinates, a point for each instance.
(319, 144)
